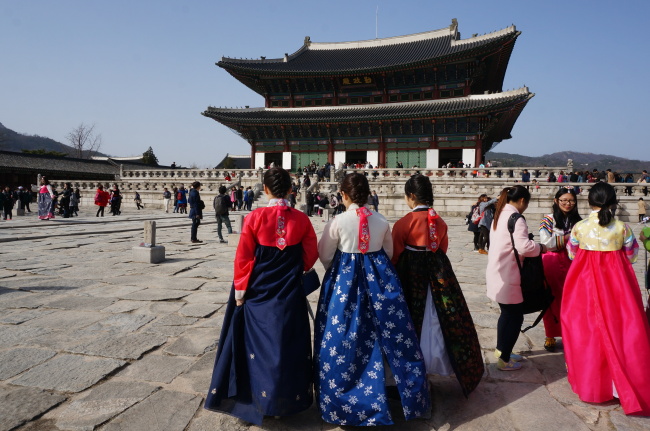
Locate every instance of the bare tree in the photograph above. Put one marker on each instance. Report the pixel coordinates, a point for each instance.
(85, 141)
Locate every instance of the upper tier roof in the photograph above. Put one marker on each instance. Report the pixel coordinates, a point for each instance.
(376, 54)
(382, 111)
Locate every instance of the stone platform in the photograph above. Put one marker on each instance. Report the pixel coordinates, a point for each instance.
(91, 340)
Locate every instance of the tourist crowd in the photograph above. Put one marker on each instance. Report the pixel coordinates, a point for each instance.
(391, 312)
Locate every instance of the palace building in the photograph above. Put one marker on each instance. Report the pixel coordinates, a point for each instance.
(424, 99)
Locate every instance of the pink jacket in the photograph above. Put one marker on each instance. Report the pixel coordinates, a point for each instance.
(502, 274)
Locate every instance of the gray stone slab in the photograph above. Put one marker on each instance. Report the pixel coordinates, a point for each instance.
(66, 319)
(623, 422)
(157, 368)
(194, 379)
(199, 310)
(122, 306)
(21, 299)
(161, 308)
(121, 322)
(15, 361)
(68, 373)
(128, 346)
(156, 295)
(218, 297)
(13, 335)
(210, 421)
(20, 316)
(20, 405)
(193, 342)
(164, 410)
(101, 404)
(111, 291)
(70, 302)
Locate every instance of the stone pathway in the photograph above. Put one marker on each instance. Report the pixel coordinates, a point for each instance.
(91, 340)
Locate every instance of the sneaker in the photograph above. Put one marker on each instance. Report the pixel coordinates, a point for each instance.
(195, 241)
(508, 366)
(482, 251)
(549, 344)
(513, 356)
(223, 241)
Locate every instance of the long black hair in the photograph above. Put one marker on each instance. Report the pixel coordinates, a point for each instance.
(569, 220)
(278, 181)
(420, 186)
(510, 194)
(603, 195)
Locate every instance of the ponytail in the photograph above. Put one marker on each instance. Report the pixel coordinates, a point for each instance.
(605, 216)
(503, 200)
(510, 194)
(603, 196)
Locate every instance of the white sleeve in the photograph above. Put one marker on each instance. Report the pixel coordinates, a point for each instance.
(328, 243)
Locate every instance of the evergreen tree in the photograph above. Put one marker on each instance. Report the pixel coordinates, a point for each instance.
(149, 158)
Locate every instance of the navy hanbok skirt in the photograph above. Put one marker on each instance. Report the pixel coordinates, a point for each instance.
(362, 321)
(264, 363)
(45, 206)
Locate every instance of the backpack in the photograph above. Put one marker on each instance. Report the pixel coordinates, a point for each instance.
(218, 205)
(477, 215)
(179, 196)
(536, 292)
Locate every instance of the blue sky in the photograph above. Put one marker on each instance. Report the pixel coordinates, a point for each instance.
(143, 71)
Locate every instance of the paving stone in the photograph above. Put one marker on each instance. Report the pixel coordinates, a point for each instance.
(11, 335)
(127, 346)
(20, 316)
(199, 310)
(80, 303)
(622, 422)
(15, 361)
(210, 421)
(122, 306)
(197, 378)
(161, 308)
(104, 290)
(485, 320)
(22, 299)
(101, 404)
(65, 319)
(216, 286)
(68, 373)
(19, 405)
(193, 342)
(121, 323)
(157, 368)
(174, 320)
(218, 297)
(155, 295)
(164, 410)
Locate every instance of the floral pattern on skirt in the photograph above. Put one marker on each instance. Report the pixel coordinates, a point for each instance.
(363, 318)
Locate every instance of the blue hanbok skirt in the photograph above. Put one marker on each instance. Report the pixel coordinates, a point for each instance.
(362, 323)
(264, 363)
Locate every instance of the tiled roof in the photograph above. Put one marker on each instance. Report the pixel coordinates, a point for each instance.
(382, 111)
(10, 159)
(371, 55)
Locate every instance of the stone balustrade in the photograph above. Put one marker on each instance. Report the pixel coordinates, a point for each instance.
(455, 189)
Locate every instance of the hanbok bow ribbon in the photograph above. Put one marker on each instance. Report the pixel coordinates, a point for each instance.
(280, 225)
(432, 244)
(364, 231)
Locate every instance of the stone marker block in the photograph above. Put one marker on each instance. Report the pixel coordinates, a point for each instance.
(154, 254)
(20, 211)
(233, 239)
(237, 223)
(150, 232)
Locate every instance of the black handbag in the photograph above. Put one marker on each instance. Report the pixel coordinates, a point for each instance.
(310, 281)
(534, 288)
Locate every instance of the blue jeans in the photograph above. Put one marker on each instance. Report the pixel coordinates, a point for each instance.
(223, 218)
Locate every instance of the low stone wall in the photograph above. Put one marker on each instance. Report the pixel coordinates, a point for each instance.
(455, 190)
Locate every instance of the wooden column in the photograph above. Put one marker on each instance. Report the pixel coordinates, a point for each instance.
(479, 153)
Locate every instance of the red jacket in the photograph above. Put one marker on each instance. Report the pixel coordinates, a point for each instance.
(102, 197)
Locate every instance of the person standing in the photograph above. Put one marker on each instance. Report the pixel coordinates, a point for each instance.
(196, 210)
(642, 211)
(166, 197)
(435, 300)
(7, 204)
(116, 200)
(138, 200)
(26, 199)
(310, 203)
(64, 202)
(45, 200)
(239, 195)
(175, 197)
(554, 232)
(363, 323)
(181, 200)
(605, 331)
(502, 275)
(375, 200)
(263, 365)
(75, 197)
(221, 205)
(472, 223)
(101, 200)
(486, 212)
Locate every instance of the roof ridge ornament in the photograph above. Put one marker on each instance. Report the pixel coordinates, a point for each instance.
(307, 41)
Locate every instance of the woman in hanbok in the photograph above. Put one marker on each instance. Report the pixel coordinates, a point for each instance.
(554, 232)
(605, 331)
(435, 300)
(264, 362)
(45, 200)
(363, 323)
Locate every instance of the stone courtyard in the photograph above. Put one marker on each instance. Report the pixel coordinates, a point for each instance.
(90, 339)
